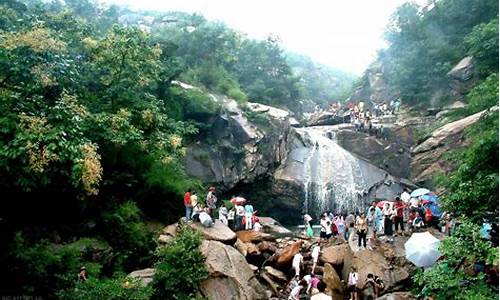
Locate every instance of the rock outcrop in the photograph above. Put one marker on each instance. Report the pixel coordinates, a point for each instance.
(218, 232)
(240, 144)
(335, 287)
(230, 275)
(145, 275)
(427, 157)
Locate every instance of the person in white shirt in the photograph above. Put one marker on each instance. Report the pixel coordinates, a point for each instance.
(321, 295)
(315, 255)
(223, 215)
(257, 227)
(352, 284)
(297, 260)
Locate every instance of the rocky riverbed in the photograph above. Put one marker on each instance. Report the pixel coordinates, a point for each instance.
(257, 265)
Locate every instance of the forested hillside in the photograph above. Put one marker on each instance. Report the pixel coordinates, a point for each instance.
(93, 131)
(425, 43)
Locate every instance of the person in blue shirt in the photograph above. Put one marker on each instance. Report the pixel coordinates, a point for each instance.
(248, 216)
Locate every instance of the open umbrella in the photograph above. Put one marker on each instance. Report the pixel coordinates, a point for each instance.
(381, 204)
(422, 249)
(405, 197)
(429, 197)
(419, 192)
(238, 200)
(436, 211)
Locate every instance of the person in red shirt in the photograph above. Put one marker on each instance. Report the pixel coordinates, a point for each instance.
(187, 204)
(399, 206)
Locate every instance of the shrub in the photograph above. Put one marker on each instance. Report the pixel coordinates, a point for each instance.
(128, 235)
(180, 267)
(44, 268)
(119, 288)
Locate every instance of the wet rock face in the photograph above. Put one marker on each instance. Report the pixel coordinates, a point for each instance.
(239, 145)
(328, 176)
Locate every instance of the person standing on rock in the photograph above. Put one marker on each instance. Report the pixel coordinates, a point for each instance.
(187, 204)
(315, 256)
(352, 284)
(388, 214)
(362, 230)
(238, 217)
(223, 215)
(326, 229)
(297, 261)
(399, 206)
(211, 201)
(248, 216)
(321, 295)
(194, 202)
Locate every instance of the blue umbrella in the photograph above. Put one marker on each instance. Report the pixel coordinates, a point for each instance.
(436, 211)
(485, 231)
(419, 192)
(428, 197)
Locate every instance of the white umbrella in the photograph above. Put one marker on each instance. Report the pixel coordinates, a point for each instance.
(405, 197)
(419, 192)
(422, 249)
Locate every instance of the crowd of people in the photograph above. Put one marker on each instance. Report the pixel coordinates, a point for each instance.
(239, 215)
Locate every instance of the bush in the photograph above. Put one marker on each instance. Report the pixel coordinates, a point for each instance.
(128, 235)
(180, 267)
(119, 288)
(44, 268)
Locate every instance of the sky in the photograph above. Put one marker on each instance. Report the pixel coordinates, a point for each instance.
(344, 34)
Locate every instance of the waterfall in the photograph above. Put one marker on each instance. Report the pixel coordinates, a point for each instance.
(332, 177)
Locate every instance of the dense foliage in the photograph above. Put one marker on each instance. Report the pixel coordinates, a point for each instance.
(425, 43)
(451, 277)
(180, 267)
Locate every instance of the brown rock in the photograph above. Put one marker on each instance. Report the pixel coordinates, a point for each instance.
(231, 277)
(170, 229)
(241, 247)
(275, 274)
(375, 262)
(164, 239)
(265, 246)
(218, 232)
(247, 236)
(334, 255)
(252, 249)
(334, 285)
(285, 256)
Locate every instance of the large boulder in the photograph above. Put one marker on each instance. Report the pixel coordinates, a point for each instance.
(275, 274)
(218, 232)
(334, 255)
(283, 258)
(145, 275)
(427, 157)
(334, 285)
(247, 236)
(324, 118)
(464, 70)
(231, 277)
(171, 229)
(395, 276)
(270, 225)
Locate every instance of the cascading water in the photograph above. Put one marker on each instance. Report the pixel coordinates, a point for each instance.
(332, 176)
